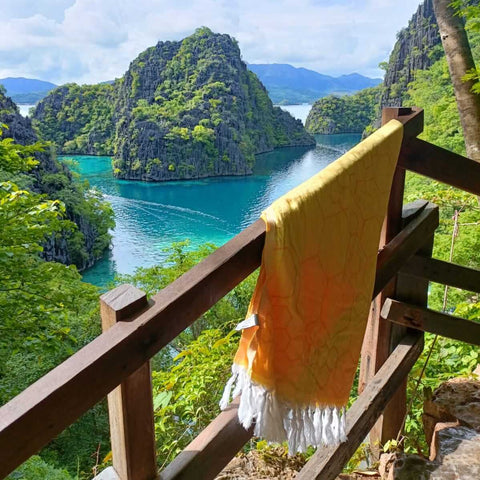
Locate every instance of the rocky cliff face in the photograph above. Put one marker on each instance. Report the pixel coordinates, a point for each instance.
(186, 109)
(191, 109)
(415, 49)
(50, 177)
(347, 114)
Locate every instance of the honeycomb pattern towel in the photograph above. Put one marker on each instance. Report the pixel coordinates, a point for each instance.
(295, 368)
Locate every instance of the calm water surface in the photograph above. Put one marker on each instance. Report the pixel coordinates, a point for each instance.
(150, 216)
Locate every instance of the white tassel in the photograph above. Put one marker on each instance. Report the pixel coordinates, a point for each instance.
(225, 400)
(277, 421)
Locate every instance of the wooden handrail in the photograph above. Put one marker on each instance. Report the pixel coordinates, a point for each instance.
(440, 164)
(327, 463)
(446, 273)
(381, 337)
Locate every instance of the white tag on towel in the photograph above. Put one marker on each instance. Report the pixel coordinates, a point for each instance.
(251, 321)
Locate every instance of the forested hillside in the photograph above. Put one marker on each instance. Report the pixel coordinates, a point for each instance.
(417, 47)
(347, 114)
(88, 237)
(78, 119)
(186, 109)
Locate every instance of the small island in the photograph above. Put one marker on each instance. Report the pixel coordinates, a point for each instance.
(183, 110)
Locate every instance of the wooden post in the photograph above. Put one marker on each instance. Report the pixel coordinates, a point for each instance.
(130, 405)
(380, 337)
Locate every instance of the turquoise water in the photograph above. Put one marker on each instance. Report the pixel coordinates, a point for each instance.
(150, 216)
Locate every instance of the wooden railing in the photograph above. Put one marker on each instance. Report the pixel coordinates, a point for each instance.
(117, 362)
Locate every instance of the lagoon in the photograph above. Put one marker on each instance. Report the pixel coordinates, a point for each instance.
(151, 216)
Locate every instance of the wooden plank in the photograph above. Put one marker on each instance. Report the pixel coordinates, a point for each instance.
(211, 451)
(327, 463)
(393, 255)
(431, 321)
(415, 291)
(47, 407)
(446, 273)
(440, 164)
(411, 117)
(130, 405)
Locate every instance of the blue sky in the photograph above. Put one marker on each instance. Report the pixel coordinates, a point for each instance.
(87, 41)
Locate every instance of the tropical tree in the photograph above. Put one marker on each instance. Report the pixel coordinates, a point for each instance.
(461, 64)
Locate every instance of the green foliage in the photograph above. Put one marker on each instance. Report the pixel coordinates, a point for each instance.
(433, 91)
(347, 114)
(186, 394)
(46, 311)
(78, 119)
(35, 468)
(16, 158)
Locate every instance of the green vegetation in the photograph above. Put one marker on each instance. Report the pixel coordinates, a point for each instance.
(433, 91)
(46, 311)
(78, 119)
(347, 114)
(180, 110)
(88, 236)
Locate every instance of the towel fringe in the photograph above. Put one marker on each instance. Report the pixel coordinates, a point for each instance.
(277, 421)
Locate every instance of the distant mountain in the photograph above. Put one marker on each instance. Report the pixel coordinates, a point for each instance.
(26, 90)
(287, 84)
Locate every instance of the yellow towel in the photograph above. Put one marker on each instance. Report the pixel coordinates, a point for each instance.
(295, 369)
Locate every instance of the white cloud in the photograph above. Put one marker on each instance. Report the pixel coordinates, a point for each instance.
(95, 40)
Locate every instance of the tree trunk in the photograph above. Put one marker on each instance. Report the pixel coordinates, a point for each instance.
(460, 60)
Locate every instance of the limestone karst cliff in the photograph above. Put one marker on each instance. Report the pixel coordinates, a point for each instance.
(186, 109)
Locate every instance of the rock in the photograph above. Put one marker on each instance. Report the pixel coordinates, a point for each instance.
(455, 400)
(412, 51)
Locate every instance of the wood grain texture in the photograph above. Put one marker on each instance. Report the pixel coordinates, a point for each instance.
(130, 405)
(446, 273)
(211, 451)
(431, 321)
(327, 463)
(404, 245)
(380, 337)
(440, 164)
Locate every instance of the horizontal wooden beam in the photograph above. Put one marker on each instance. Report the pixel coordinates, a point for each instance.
(442, 272)
(431, 321)
(440, 164)
(391, 258)
(211, 451)
(327, 463)
(30, 420)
